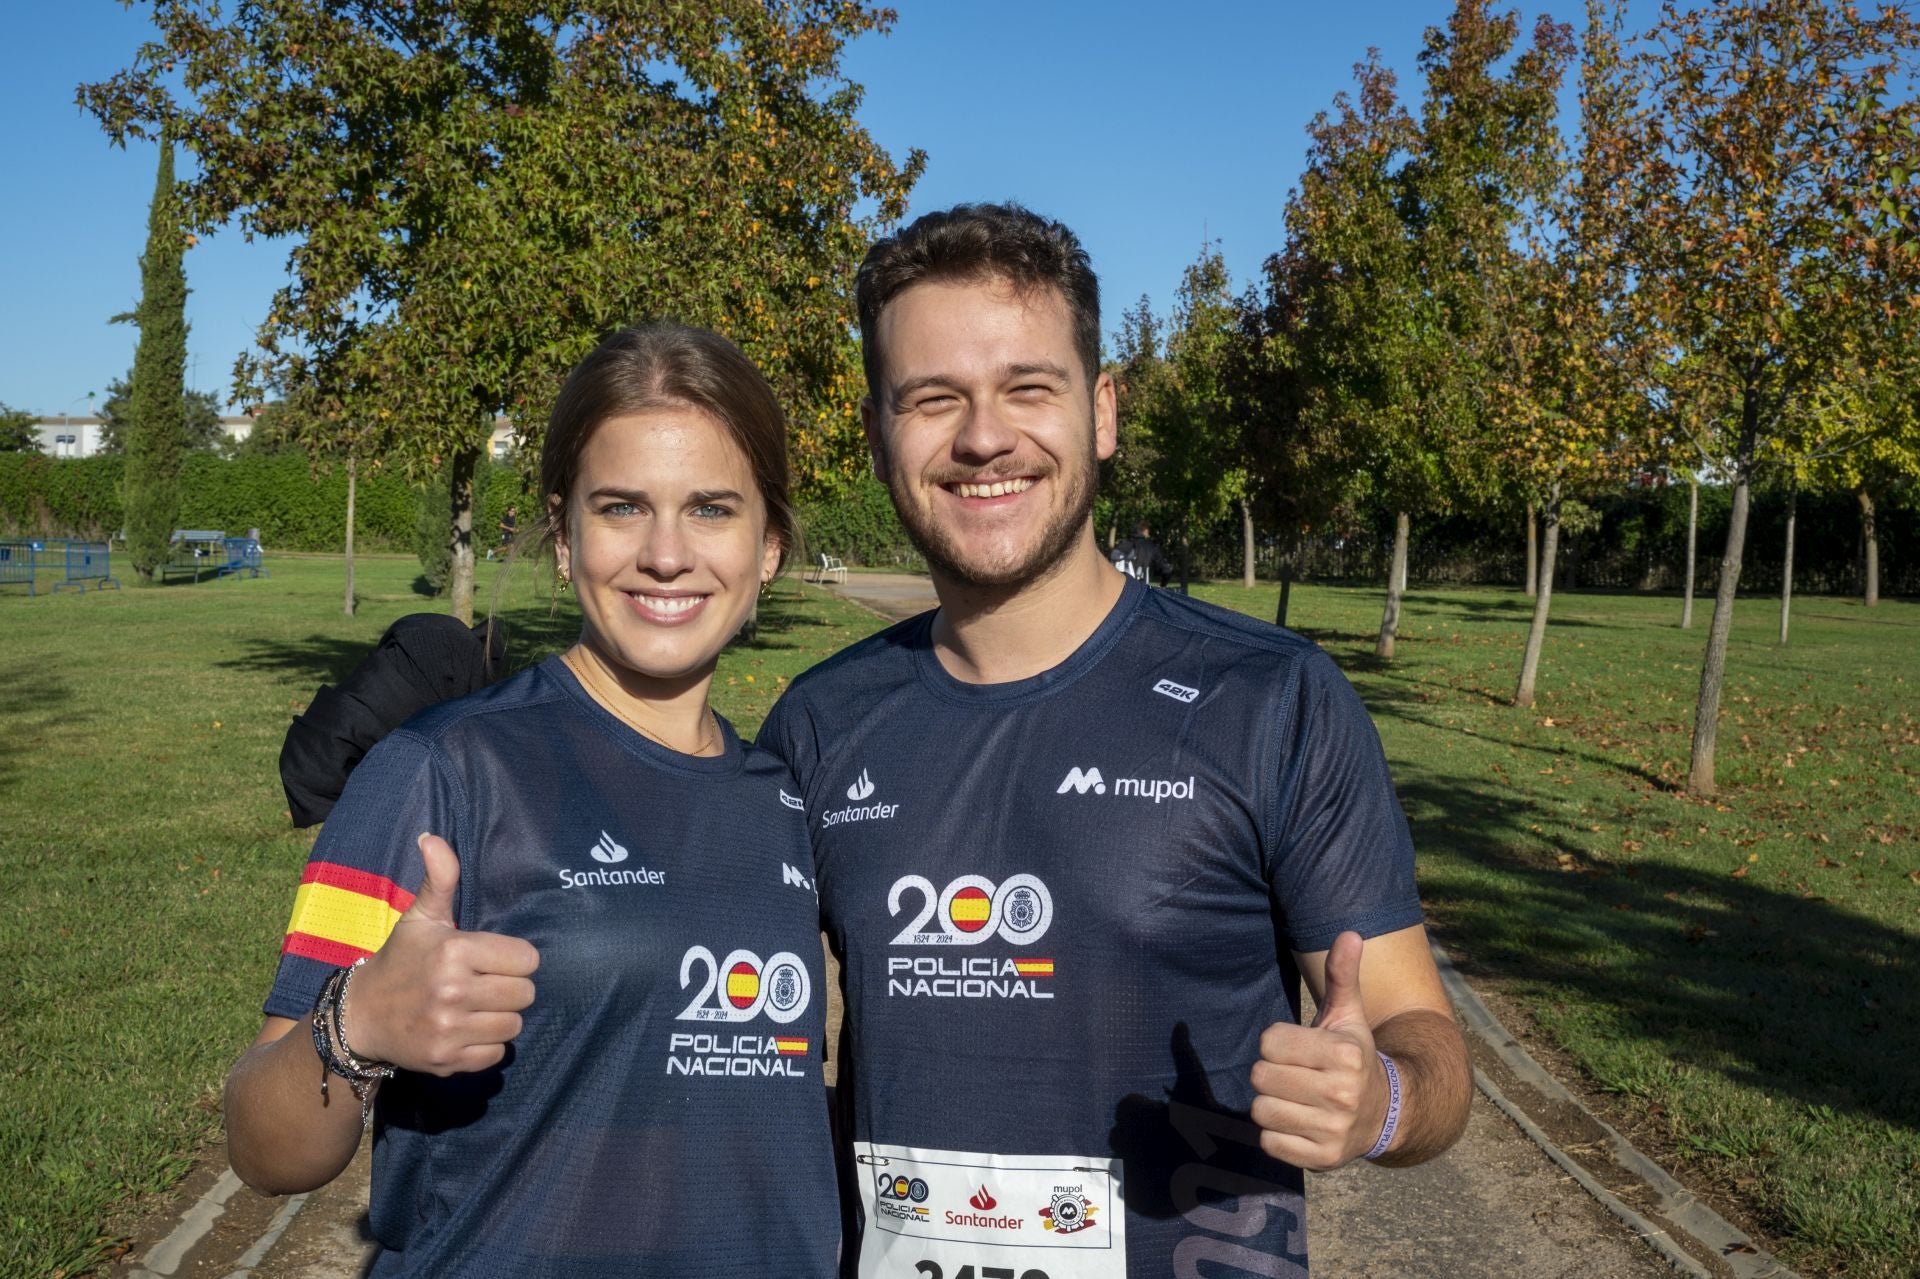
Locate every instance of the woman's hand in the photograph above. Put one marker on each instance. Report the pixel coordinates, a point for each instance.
(435, 999)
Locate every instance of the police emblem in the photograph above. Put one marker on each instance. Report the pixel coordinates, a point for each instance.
(785, 988)
(1022, 909)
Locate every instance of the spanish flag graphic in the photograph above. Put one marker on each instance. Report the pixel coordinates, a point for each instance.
(341, 914)
(790, 1047)
(1033, 967)
(970, 909)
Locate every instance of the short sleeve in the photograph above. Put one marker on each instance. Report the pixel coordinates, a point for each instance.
(364, 868)
(1341, 855)
(783, 734)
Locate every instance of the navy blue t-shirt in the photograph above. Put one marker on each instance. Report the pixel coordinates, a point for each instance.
(1065, 909)
(662, 1112)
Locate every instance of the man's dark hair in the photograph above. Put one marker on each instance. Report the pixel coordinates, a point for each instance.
(972, 242)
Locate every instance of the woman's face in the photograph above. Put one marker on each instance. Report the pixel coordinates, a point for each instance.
(666, 541)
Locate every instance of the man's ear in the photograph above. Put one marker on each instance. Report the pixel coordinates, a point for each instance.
(1106, 417)
(876, 443)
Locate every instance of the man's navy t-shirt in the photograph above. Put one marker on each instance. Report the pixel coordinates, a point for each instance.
(662, 1112)
(1065, 909)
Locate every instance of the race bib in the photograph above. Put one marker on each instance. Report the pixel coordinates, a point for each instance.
(954, 1214)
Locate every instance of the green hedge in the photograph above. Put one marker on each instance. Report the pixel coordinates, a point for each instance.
(857, 526)
(295, 507)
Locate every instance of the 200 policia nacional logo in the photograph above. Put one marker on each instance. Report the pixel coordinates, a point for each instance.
(735, 990)
(969, 911)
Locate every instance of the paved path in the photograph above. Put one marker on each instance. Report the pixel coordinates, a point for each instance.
(1521, 1194)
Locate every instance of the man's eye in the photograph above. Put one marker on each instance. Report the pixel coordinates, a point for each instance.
(933, 403)
(619, 510)
(712, 511)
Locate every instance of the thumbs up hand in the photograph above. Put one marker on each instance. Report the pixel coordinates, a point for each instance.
(435, 999)
(1320, 1092)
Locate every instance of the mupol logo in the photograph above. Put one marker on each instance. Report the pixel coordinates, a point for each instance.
(1082, 780)
(608, 851)
(791, 876)
(861, 789)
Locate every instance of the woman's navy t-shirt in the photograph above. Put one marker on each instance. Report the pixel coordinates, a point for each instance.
(662, 1111)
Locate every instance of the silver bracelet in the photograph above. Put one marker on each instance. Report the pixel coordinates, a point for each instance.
(1393, 1107)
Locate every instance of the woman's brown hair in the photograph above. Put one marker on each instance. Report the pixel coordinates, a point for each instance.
(664, 365)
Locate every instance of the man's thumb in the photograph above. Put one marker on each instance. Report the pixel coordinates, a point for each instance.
(434, 901)
(1343, 982)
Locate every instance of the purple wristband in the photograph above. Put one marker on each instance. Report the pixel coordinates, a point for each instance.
(1393, 1108)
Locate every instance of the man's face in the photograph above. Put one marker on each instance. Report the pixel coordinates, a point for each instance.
(987, 432)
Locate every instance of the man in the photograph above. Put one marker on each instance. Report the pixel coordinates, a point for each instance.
(1139, 556)
(1076, 841)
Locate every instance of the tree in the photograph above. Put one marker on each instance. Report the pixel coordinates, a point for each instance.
(17, 431)
(199, 413)
(480, 189)
(1560, 340)
(1199, 467)
(156, 439)
(1363, 340)
(1748, 144)
(1139, 372)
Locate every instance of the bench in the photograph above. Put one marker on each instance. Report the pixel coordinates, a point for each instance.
(831, 567)
(194, 551)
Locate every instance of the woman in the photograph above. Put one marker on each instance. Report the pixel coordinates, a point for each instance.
(603, 1013)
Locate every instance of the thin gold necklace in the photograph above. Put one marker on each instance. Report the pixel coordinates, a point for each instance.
(710, 744)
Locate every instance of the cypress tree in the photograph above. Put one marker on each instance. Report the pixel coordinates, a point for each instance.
(157, 436)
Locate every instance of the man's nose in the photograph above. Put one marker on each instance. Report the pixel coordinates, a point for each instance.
(985, 434)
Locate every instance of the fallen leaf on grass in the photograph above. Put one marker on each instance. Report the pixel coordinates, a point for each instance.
(1741, 873)
(1914, 875)
(1825, 862)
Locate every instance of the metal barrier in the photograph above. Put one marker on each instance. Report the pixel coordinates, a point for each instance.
(17, 564)
(88, 562)
(243, 556)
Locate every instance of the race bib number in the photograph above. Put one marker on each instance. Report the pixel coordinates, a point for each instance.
(955, 1214)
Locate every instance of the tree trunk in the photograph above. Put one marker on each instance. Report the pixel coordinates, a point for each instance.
(1186, 561)
(1693, 529)
(1286, 590)
(1113, 535)
(1246, 544)
(1396, 587)
(1870, 558)
(1537, 633)
(352, 478)
(1533, 556)
(1706, 716)
(460, 534)
(1786, 565)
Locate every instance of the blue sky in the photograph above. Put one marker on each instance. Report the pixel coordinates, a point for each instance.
(1148, 128)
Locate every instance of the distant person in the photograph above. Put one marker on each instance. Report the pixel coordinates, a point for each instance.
(509, 529)
(590, 1037)
(1139, 556)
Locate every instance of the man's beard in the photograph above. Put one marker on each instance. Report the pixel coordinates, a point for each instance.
(944, 556)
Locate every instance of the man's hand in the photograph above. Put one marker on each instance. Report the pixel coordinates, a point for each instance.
(435, 999)
(1320, 1090)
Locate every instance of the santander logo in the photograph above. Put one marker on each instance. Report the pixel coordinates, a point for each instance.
(983, 1201)
(862, 787)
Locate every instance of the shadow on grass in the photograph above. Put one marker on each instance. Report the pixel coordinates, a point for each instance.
(1767, 985)
(29, 705)
(319, 659)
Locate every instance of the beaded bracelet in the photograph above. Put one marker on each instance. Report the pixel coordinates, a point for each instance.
(330, 1042)
(1393, 1107)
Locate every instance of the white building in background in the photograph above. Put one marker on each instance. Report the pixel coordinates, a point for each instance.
(64, 436)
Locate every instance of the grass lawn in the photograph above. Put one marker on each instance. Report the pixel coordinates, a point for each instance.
(1743, 974)
(1740, 974)
(147, 863)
